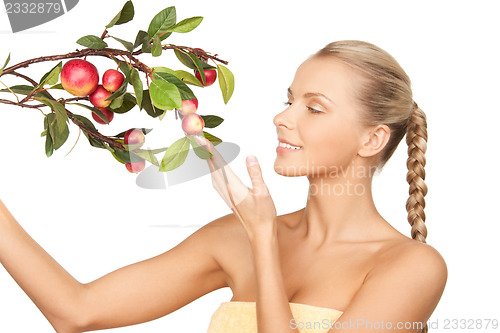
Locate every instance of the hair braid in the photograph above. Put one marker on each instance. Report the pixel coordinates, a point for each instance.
(416, 138)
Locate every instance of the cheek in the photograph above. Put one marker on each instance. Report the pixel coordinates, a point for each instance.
(329, 145)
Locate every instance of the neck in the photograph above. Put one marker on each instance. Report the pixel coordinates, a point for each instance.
(339, 208)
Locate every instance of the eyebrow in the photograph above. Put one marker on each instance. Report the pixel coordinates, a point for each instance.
(313, 94)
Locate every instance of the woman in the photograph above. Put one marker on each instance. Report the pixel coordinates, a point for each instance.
(334, 266)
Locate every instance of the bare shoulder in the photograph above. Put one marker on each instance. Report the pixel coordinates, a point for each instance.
(405, 285)
(410, 259)
(219, 234)
(222, 227)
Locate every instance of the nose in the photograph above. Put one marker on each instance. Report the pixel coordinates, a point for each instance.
(283, 119)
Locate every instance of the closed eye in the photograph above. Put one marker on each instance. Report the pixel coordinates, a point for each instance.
(312, 110)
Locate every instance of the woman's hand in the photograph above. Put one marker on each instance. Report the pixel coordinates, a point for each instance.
(254, 207)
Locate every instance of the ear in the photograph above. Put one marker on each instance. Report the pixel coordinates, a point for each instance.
(374, 141)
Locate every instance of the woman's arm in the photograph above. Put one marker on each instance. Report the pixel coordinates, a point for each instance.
(273, 309)
(130, 295)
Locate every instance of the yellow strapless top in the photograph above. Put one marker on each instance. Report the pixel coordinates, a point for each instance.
(241, 317)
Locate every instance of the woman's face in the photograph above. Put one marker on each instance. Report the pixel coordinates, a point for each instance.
(322, 118)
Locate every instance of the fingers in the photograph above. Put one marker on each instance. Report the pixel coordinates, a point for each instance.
(224, 180)
(258, 185)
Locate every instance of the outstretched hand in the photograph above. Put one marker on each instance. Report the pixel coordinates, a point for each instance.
(254, 207)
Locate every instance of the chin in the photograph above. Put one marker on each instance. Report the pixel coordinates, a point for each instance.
(288, 170)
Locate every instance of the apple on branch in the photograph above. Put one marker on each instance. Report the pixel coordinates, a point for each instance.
(135, 167)
(107, 113)
(134, 138)
(79, 77)
(189, 106)
(99, 96)
(192, 124)
(112, 80)
(210, 76)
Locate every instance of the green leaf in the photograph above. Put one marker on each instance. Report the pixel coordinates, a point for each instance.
(142, 36)
(138, 86)
(58, 136)
(226, 82)
(184, 76)
(147, 155)
(188, 78)
(156, 48)
(125, 68)
(175, 155)
(93, 141)
(190, 60)
(24, 90)
(95, 110)
(125, 15)
(57, 86)
(161, 23)
(128, 45)
(58, 108)
(85, 121)
(112, 150)
(212, 121)
(49, 146)
(163, 115)
(128, 102)
(212, 138)
(123, 156)
(92, 42)
(160, 69)
(185, 91)
(121, 91)
(51, 77)
(5, 64)
(187, 25)
(165, 95)
(185, 59)
(158, 150)
(146, 47)
(200, 151)
(116, 103)
(147, 105)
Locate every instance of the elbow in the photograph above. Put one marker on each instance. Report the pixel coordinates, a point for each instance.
(70, 324)
(74, 319)
(67, 327)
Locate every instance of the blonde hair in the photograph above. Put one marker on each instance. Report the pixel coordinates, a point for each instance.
(386, 98)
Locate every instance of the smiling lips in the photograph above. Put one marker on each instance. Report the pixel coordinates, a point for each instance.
(284, 147)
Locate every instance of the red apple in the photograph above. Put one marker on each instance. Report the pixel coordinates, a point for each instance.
(189, 106)
(99, 96)
(79, 77)
(134, 137)
(210, 76)
(107, 113)
(135, 167)
(112, 80)
(192, 123)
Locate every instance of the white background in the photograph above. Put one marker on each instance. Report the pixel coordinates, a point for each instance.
(87, 212)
